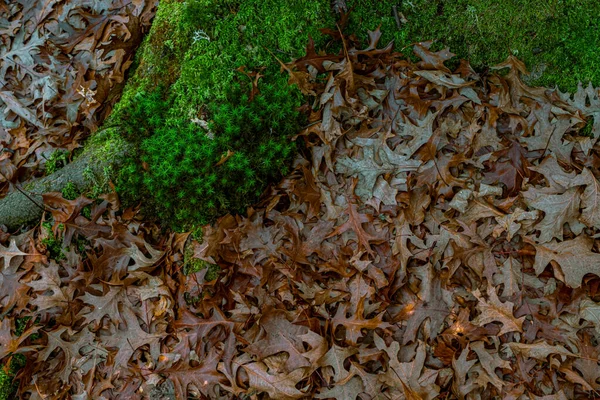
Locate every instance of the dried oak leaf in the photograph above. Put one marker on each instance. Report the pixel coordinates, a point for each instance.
(414, 381)
(489, 362)
(377, 159)
(278, 386)
(492, 310)
(193, 332)
(8, 253)
(587, 364)
(281, 335)
(129, 337)
(204, 377)
(356, 322)
(590, 199)
(461, 366)
(590, 311)
(549, 132)
(64, 211)
(9, 345)
(510, 168)
(348, 390)
(12, 291)
(437, 171)
(559, 209)
(107, 303)
(432, 60)
(431, 306)
(574, 257)
(354, 224)
(304, 244)
(50, 292)
(557, 178)
(71, 348)
(116, 256)
(511, 275)
(539, 350)
(335, 358)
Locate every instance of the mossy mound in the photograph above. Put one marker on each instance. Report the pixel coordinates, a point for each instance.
(210, 132)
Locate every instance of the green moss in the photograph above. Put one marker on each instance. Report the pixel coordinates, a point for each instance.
(557, 39)
(106, 144)
(587, 129)
(8, 385)
(56, 161)
(205, 147)
(70, 191)
(193, 265)
(52, 243)
(99, 182)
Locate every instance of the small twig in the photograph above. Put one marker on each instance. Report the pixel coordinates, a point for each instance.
(17, 186)
(283, 52)
(397, 17)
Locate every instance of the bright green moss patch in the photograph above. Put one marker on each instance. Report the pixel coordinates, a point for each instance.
(52, 243)
(205, 144)
(56, 161)
(70, 191)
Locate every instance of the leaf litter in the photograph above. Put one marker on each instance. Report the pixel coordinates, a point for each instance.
(60, 65)
(426, 245)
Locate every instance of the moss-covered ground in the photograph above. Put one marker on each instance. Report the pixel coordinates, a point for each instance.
(210, 132)
(557, 39)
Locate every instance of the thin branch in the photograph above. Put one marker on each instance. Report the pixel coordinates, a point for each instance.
(18, 187)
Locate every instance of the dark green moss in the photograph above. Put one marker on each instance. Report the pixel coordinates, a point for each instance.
(8, 384)
(52, 243)
(587, 129)
(204, 145)
(557, 39)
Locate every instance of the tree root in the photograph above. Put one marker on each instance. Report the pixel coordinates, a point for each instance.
(104, 152)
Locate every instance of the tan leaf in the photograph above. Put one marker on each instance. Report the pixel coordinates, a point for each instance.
(8, 253)
(590, 311)
(490, 363)
(492, 310)
(354, 324)
(574, 257)
(281, 386)
(511, 276)
(348, 390)
(335, 358)
(225, 157)
(415, 381)
(558, 180)
(559, 209)
(590, 199)
(539, 351)
(461, 367)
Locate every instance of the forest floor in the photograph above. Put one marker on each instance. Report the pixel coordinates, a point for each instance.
(436, 236)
